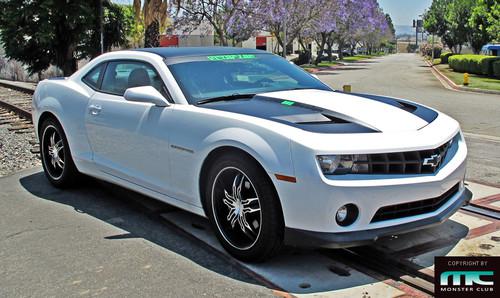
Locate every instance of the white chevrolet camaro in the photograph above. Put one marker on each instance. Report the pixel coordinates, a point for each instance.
(266, 151)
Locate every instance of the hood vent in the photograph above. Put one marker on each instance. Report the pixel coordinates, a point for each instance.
(407, 107)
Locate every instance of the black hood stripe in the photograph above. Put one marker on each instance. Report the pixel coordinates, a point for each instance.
(303, 116)
(312, 118)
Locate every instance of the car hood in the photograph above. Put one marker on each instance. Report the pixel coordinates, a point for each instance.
(332, 111)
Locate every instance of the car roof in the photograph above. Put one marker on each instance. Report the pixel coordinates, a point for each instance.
(173, 52)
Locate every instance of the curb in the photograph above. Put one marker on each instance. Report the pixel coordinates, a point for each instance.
(449, 84)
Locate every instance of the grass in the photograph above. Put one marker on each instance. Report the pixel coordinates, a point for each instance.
(358, 58)
(475, 81)
(355, 58)
(320, 65)
(328, 63)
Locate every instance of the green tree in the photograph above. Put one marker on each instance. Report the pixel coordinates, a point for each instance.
(135, 34)
(117, 25)
(459, 21)
(494, 21)
(485, 20)
(436, 21)
(40, 33)
(434, 17)
(479, 23)
(457, 16)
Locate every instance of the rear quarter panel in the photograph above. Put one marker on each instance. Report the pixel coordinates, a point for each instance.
(67, 100)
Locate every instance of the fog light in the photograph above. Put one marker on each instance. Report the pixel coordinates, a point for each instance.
(346, 215)
(342, 214)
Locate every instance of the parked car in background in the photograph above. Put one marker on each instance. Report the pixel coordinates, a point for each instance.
(491, 50)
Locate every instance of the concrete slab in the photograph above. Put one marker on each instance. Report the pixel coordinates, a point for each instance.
(465, 234)
(480, 190)
(88, 241)
(300, 273)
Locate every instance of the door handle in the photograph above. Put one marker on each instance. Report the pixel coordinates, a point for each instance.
(95, 110)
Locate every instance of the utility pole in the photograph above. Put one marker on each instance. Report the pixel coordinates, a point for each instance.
(101, 26)
(285, 41)
(432, 48)
(415, 24)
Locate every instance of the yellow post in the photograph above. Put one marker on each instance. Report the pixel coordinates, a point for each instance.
(466, 79)
(347, 88)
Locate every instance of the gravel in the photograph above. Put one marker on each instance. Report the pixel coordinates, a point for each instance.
(15, 151)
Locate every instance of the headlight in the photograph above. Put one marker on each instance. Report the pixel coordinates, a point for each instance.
(343, 164)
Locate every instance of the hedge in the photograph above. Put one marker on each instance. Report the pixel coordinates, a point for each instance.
(477, 64)
(496, 69)
(445, 56)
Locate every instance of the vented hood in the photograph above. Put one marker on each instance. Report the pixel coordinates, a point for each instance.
(332, 112)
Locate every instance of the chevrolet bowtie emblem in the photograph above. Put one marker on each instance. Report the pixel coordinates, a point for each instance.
(432, 161)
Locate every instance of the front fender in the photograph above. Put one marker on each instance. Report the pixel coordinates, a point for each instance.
(200, 131)
(273, 158)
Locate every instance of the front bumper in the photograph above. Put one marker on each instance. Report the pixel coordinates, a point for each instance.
(303, 238)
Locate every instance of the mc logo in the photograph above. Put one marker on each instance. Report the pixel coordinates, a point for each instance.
(471, 277)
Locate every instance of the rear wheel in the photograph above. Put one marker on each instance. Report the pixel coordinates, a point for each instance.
(244, 208)
(56, 156)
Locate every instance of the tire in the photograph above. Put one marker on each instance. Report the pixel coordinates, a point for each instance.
(57, 162)
(243, 208)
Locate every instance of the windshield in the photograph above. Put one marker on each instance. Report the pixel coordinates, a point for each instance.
(206, 77)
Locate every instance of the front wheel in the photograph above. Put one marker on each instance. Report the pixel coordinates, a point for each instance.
(244, 208)
(56, 156)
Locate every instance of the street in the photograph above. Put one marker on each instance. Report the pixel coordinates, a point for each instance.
(407, 76)
(94, 240)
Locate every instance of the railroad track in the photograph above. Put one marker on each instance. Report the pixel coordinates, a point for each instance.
(15, 110)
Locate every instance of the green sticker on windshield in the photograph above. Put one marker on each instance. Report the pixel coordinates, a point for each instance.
(287, 103)
(230, 57)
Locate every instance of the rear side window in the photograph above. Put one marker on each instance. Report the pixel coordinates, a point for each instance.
(92, 77)
(121, 75)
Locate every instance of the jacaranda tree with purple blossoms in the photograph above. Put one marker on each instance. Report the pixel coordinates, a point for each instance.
(345, 23)
(230, 19)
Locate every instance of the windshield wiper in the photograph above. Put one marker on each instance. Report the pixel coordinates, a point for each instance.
(225, 98)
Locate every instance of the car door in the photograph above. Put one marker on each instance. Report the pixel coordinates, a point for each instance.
(129, 140)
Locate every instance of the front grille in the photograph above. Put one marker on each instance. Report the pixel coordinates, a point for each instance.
(414, 208)
(411, 162)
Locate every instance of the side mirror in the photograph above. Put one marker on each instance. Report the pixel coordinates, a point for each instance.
(146, 94)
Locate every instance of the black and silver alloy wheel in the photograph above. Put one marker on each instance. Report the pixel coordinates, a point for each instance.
(243, 207)
(53, 152)
(236, 208)
(56, 156)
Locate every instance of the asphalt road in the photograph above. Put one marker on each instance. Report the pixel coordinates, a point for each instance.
(407, 76)
(98, 240)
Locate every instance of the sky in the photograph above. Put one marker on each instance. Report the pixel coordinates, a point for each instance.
(403, 12)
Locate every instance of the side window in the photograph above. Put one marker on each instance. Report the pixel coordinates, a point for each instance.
(92, 77)
(121, 75)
